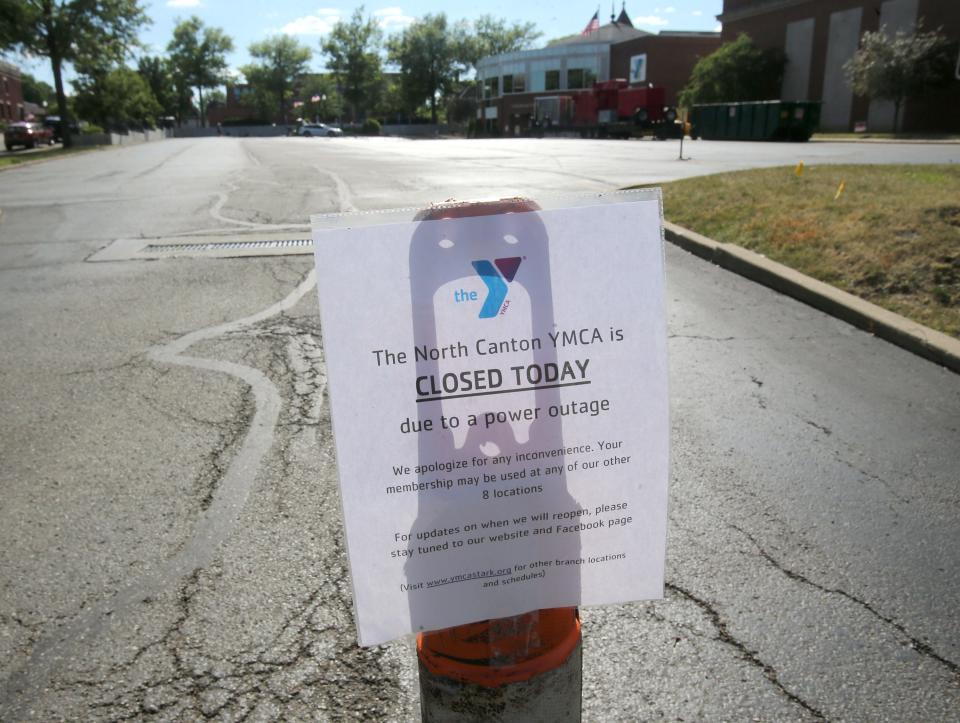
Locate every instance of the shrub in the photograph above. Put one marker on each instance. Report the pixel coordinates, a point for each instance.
(371, 127)
(737, 71)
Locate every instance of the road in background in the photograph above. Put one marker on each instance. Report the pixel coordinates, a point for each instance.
(170, 533)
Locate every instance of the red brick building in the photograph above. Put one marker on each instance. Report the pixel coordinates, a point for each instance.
(11, 94)
(819, 36)
(669, 58)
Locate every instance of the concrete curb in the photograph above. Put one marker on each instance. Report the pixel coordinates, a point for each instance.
(914, 337)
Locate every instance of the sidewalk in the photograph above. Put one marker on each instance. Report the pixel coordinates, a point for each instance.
(880, 138)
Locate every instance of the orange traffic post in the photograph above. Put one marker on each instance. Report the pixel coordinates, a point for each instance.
(521, 668)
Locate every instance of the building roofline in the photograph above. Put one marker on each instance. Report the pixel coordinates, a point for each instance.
(688, 34)
(516, 55)
(10, 68)
(761, 8)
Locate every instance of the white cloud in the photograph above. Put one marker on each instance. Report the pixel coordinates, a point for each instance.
(183, 3)
(697, 13)
(320, 24)
(649, 20)
(392, 18)
(718, 28)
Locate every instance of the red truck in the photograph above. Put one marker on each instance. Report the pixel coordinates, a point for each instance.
(611, 108)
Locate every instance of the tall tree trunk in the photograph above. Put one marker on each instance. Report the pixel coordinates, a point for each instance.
(62, 111)
(203, 116)
(896, 115)
(56, 65)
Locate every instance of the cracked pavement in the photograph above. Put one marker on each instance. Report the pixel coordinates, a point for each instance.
(170, 536)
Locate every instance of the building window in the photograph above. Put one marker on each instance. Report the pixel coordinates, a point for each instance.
(580, 78)
(551, 80)
(491, 87)
(514, 83)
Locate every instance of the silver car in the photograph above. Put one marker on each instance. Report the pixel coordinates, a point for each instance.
(319, 129)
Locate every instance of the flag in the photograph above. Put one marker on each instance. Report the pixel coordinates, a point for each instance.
(593, 25)
(314, 98)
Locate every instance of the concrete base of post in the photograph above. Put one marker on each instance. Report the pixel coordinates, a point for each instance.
(553, 696)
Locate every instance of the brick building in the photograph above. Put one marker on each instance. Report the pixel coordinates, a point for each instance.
(819, 36)
(11, 94)
(511, 82)
(668, 58)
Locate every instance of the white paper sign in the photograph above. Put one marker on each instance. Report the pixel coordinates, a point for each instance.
(498, 388)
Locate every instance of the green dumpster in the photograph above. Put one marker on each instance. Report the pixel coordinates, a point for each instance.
(766, 120)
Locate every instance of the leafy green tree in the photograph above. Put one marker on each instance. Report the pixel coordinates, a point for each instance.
(119, 98)
(899, 67)
(156, 72)
(493, 36)
(281, 60)
(391, 106)
(217, 95)
(198, 56)
(426, 52)
(70, 31)
(323, 86)
(37, 91)
(737, 71)
(353, 56)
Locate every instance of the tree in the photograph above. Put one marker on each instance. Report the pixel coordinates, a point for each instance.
(281, 61)
(492, 36)
(70, 31)
(37, 91)
(427, 55)
(329, 105)
(156, 72)
(198, 56)
(119, 98)
(353, 56)
(737, 71)
(899, 67)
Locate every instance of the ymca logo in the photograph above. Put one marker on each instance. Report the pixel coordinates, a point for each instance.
(496, 276)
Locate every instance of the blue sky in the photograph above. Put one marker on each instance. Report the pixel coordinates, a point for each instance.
(248, 21)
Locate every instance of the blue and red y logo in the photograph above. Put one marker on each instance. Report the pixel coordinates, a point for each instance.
(496, 282)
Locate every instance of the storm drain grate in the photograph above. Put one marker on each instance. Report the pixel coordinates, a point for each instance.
(226, 246)
(223, 246)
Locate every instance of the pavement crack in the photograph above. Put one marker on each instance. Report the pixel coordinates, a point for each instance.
(129, 364)
(915, 643)
(872, 477)
(826, 430)
(70, 643)
(750, 656)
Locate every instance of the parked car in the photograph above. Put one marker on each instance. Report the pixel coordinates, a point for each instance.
(319, 129)
(53, 123)
(26, 134)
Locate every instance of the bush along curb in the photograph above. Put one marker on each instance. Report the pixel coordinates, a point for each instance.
(899, 330)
